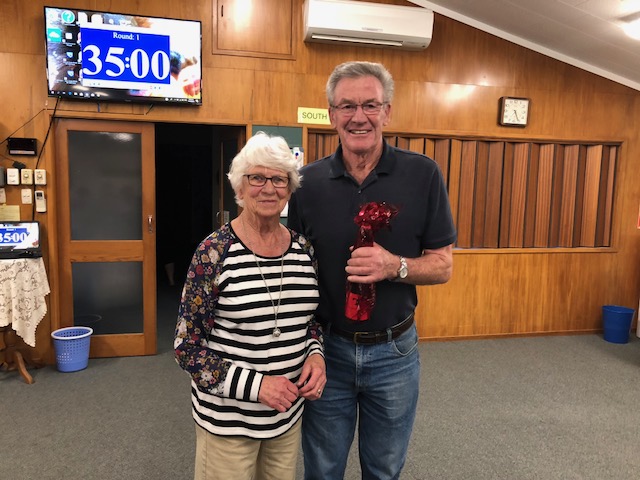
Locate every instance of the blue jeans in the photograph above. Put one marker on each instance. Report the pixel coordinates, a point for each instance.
(378, 384)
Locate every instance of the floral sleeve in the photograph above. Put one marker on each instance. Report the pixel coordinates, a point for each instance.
(196, 317)
(314, 331)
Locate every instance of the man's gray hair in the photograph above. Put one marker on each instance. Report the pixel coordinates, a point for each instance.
(357, 70)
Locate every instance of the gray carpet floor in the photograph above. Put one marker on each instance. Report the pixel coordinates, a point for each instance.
(565, 407)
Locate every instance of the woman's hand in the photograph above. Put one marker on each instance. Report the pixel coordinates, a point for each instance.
(313, 377)
(278, 393)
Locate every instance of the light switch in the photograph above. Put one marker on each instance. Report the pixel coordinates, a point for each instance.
(13, 176)
(27, 197)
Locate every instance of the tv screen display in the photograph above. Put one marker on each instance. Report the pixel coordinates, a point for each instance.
(103, 56)
(19, 240)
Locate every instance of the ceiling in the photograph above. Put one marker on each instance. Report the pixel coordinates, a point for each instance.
(583, 33)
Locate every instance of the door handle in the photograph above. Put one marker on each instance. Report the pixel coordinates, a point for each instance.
(150, 223)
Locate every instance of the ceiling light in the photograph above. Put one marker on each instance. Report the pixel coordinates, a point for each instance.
(632, 29)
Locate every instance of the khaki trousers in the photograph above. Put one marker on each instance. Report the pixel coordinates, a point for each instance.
(241, 458)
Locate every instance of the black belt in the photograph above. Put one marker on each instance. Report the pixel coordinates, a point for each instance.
(374, 337)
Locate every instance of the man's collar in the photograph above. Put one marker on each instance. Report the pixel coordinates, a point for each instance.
(385, 165)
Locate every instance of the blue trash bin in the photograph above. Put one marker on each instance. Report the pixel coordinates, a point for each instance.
(71, 345)
(616, 322)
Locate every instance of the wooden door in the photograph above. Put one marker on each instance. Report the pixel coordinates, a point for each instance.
(106, 233)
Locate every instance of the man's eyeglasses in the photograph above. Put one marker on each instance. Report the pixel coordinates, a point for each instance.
(257, 180)
(369, 108)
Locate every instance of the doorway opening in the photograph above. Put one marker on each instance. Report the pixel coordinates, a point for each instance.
(193, 198)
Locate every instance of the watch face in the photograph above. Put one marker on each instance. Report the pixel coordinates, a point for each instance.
(403, 271)
(514, 111)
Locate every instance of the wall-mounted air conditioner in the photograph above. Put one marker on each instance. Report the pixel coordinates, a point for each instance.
(367, 24)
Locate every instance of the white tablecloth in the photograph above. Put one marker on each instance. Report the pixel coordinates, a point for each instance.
(23, 288)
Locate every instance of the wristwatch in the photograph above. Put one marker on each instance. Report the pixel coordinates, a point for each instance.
(403, 271)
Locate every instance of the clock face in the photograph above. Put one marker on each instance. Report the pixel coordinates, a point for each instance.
(514, 111)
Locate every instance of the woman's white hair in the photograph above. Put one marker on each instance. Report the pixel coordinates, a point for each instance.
(267, 151)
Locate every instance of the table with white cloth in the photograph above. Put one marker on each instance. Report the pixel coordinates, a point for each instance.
(23, 288)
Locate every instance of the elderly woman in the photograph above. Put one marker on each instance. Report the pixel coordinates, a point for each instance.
(246, 331)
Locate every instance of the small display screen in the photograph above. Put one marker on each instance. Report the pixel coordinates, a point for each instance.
(104, 56)
(19, 235)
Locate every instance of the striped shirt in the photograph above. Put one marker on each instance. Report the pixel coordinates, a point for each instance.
(224, 336)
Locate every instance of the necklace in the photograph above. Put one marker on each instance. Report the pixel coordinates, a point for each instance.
(276, 307)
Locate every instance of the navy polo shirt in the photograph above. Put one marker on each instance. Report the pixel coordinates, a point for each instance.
(324, 207)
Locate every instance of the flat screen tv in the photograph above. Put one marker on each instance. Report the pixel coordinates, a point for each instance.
(104, 56)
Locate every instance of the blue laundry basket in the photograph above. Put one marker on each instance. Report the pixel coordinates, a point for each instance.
(71, 345)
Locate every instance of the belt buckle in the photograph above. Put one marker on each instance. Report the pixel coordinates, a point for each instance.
(358, 334)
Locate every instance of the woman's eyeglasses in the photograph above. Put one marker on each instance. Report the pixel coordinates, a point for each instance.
(257, 180)
(369, 108)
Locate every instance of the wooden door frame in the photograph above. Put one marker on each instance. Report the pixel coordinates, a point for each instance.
(144, 251)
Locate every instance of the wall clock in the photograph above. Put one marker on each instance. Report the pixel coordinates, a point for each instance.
(514, 111)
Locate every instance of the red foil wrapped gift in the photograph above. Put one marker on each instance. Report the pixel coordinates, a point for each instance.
(361, 297)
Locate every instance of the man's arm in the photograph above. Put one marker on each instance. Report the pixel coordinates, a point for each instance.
(374, 264)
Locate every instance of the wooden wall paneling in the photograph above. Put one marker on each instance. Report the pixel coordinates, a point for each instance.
(314, 147)
(530, 195)
(311, 154)
(276, 96)
(607, 217)
(417, 144)
(505, 201)
(510, 192)
(455, 166)
(430, 148)
(556, 196)
(441, 154)
(543, 197)
(494, 192)
(20, 71)
(321, 144)
(227, 95)
(48, 223)
(390, 139)
(331, 142)
(480, 195)
(324, 146)
(569, 190)
(603, 195)
(22, 28)
(518, 194)
(402, 142)
(466, 193)
(580, 180)
(591, 195)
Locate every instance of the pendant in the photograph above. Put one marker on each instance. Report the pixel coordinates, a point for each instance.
(276, 332)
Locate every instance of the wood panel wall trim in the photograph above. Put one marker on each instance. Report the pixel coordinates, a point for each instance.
(546, 251)
(511, 194)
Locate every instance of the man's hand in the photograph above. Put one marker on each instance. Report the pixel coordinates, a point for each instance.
(372, 264)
